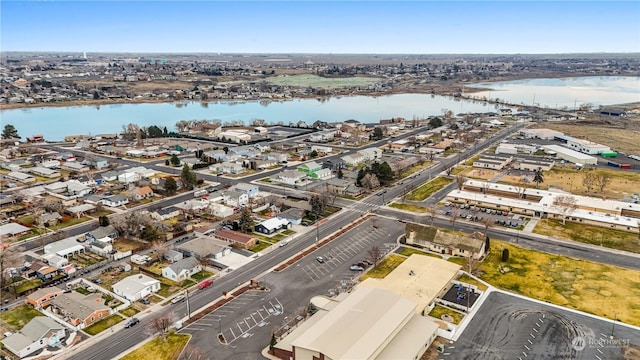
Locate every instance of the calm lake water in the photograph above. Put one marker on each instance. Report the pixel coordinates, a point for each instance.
(567, 93)
(57, 122)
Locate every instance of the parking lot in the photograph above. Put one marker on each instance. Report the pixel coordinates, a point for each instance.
(479, 214)
(351, 252)
(509, 327)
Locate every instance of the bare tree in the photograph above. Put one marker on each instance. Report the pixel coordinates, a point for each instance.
(487, 224)
(602, 180)
(520, 188)
(161, 325)
(374, 254)
(460, 180)
(131, 224)
(431, 213)
(160, 248)
(8, 258)
(454, 217)
(589, 180)
(485, 187)
(449, 170)
(192, 352)
(370, 181)
(566, 204)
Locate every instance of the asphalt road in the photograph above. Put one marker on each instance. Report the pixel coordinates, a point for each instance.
(509, 327)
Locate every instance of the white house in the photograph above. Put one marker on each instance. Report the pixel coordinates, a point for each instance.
(64, 248)
(371, 154)
(182, 269)
(220, 210)
(235, 198)
(128, 177)
(44, 172)
(165, 213)
(136, 287)
(38, 333)
(115, 200)
(353, 159)
(291, 177)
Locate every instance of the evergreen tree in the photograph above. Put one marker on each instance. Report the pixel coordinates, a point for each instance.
(175, 161)
(245, 223)
(188, 177)
(170, 185)
(10, 132)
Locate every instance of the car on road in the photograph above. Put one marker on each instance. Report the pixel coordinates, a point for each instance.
(177, 299)
(131, 323)
(382, 192)
(320, 259)
(205, 284)
(284, 243)
(356, 267)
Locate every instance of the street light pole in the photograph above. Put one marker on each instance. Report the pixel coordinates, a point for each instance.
(186, 292)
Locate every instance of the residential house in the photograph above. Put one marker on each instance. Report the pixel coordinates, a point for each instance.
(109, 175)
(43, 271)
(102, 233)
(80, 210)
(173, 256)
(143, 192)
(205, 247)
(263, 164)
(273, 225)
(236, 239)
(292, 215)
(218, 155)
(235, 198)
(182, 269)
(56, 261)
(80, 310)
(51, 164)
(136, 287)
(291, 177)
(49, 218)
(13, 230)
(42, 297)
(371, 154)
(445, 242)
(246, 188)
(232, 168)
(97, 163)
(309, 167)
(101, 248)
(165, 213)
(129, 177)
(220, 210)
(44, 172)
(353, 159)
(115, 200)
(74, 166)
(65, 248)
(20, 177)
(322, 149)
(38, 333)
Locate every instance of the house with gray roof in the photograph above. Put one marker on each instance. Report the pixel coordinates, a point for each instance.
(101, 233)
(115, 200)
(13, 229)
(182, 269)
(173, 256)
(39, 333)
(80, 310)
(204, 247)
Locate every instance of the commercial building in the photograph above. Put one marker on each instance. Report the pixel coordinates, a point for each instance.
(570, 155)
(492, 162)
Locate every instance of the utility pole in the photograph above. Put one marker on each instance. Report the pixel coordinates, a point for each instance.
(613, 324)
(186, 292)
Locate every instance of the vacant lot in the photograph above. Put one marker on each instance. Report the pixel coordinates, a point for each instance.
(595, 235)
(568, 179)
(620, 139)
(19, 316)
(481, 174)
(309, 80)
(595, 288)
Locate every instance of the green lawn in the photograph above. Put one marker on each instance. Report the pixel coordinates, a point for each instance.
(469, 280)
(288, 232)
(19, 316)
(28, 285)
(165, 290)
(408, 251)
(157, 349)
(439, 310)
(70, 222)
(428, 189)
(82, 291)
(129, 312)
(261, 246)
(589, 234)
(103, 324)
(409, 207)
(458, 260)
(201, 275)
(384, 267)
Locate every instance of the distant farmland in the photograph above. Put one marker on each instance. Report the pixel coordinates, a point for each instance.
(309, 80)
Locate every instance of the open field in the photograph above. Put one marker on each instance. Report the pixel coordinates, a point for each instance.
(570, 180)
(309, 80)
(622, 138)
(19, 316)
(157, 349)
(599, 289)
(481, 174)
(595, 235)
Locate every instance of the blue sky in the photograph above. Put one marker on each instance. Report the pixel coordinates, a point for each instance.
(424, 27)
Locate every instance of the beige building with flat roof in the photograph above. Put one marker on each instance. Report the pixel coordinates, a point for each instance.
(380, 319)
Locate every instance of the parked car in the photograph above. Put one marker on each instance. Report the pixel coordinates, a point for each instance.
(205, 284)
(96, 281)
(177, 299)
(131, 323)
(356, 268)
(145, 301)
(448, 212)
(320, 259)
